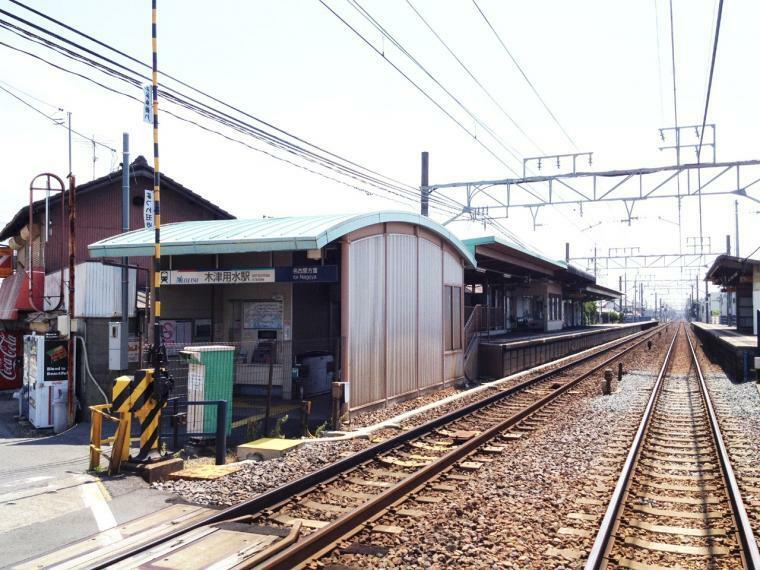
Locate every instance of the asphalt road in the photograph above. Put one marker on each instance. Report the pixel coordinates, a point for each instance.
(47, 497)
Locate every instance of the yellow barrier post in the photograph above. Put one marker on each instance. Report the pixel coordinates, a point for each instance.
(95, 434)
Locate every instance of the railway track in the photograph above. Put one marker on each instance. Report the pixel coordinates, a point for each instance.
(677, 503)
(320, 512)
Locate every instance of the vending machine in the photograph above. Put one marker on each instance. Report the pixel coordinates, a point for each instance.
(45, 377)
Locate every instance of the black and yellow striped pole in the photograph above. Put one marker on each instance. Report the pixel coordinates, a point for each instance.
(157, 336)
(146, 393)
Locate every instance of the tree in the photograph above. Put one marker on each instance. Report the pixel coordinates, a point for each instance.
(590, 314)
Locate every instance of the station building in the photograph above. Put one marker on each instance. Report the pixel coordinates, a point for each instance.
(735, 347)
(513, 287)
(374, 300)
(390, 303)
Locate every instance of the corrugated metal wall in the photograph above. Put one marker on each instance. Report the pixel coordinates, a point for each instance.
(97, 290)
(396, 317)
(99, 217)
(367, 320)
(430, 310)
(401, 300)
(452, 270)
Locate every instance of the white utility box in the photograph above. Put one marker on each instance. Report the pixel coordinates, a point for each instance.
(114, 346)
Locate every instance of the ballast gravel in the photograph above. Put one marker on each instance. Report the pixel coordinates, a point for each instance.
(509, 512)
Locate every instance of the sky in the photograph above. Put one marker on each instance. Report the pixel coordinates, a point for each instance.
(602, 68)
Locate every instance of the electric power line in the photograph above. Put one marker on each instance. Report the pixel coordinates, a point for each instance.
(380, 28)
(709, 83)
(475, 79)
(416, 85)
(520, 69)
(134, 82)
(196, 106)
(180, 82)
(56, 121)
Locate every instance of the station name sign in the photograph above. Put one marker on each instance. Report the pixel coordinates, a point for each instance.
(305, 274)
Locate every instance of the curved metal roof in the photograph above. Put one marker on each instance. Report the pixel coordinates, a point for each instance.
(265, 234)
(472, 243)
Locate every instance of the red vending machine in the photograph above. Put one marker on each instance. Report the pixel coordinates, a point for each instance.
(11, 352)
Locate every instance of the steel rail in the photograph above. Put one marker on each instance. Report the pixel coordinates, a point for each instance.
(599, 550)
(744, 528)
(275, 496)
(323, 540)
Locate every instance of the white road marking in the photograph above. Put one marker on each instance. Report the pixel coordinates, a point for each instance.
(95, 499)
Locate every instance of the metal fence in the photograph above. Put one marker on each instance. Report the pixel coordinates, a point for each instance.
(270, 378)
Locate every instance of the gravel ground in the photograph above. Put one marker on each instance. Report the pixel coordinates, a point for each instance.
(508, 513)
(256, 478)
(737, 406)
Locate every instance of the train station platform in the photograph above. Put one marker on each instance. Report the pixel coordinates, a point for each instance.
(735, 351)
(507, 354)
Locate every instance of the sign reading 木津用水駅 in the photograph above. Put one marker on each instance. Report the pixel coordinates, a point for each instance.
(217, 277)
(305, 274)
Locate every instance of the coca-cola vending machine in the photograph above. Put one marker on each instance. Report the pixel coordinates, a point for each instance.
(11, 352)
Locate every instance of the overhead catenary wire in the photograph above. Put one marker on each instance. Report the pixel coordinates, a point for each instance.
(410, 195)
(191, 87)
(475, 79)
(56, 121)
(525, 76)
(407, 199)
(132, 77)
(417, 86)
(710, 80)
(659, 63)
(478, 121)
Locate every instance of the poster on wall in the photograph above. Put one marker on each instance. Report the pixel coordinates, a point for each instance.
(176, 335)
(56, 360)
(10, 360)
(262, 315)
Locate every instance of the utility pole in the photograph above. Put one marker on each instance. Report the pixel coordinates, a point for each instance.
(656, 307)
(424, 182)
(69, 117)
(620, 288)
(94, 156)
(736, 216)
(123, 360)
(72, 272)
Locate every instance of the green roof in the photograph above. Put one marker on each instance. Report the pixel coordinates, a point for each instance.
(265, 234)
(472, 243)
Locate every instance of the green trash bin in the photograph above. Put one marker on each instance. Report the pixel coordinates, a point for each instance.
(210, 376)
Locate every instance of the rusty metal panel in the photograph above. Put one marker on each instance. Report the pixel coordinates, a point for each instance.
(367, 320)
(430, 311)
(401, 314)
(99, 217)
